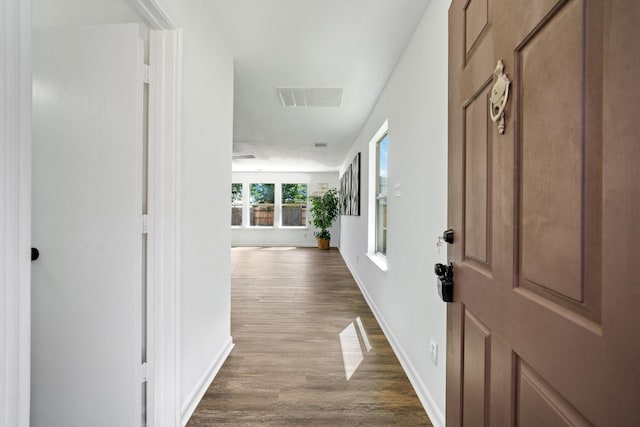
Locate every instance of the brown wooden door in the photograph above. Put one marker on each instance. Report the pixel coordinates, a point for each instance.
(545, 327)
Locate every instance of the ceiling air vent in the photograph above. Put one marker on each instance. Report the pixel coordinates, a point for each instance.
(309, 96)
(243, 156)
(320, 144)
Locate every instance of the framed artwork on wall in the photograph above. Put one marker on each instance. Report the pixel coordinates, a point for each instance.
(350, 189)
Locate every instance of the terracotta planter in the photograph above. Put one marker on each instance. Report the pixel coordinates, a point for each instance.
(323, 243)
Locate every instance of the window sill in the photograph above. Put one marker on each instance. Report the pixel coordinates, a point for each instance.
(379, 262)
(294, 227)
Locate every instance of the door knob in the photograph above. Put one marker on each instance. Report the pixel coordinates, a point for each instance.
(445, 281)
(440, 269)
(35, 254)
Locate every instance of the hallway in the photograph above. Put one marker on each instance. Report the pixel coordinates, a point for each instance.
(293, 312)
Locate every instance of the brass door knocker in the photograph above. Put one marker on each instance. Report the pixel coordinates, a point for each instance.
(499, 96)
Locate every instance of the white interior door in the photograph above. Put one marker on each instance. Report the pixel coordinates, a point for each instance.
(87, 169)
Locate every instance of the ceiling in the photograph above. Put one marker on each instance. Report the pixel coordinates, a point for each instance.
(351, 45)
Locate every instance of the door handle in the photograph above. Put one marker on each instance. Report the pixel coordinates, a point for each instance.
(35, 254)
(445, 281)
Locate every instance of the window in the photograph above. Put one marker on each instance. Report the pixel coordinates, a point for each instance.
(381, 194)
(294, 205)
(262, 205)
(377, 200)
(236, 205)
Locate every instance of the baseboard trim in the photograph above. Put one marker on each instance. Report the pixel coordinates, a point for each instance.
(267, 245)
(434, 413)
(189, 406)
(278, 245)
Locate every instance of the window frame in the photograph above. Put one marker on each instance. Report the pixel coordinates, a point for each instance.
(251, 206)
(380, 196)
(247, 205)
(240, 205)
(282, 205)
(378, 258)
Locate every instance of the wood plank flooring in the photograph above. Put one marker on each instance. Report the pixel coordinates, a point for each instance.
(290, 309)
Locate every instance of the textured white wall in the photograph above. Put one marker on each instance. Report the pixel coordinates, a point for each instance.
(207, 126)
(47, 13)
(405, 297)
(282, 236)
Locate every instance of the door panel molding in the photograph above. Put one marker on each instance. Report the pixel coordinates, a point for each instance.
(476, 371)
(538, 402)
(548, 218)
(478, 172)
(565, 216)
(476, 20)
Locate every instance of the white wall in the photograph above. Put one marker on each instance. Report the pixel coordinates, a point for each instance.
(405, 298)
(50, 13)
(277, 236)
(207, 122)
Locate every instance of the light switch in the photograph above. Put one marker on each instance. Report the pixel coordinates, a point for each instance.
(433, 352)
(397, 188)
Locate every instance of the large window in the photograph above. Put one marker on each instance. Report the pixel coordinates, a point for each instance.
(294, 205)
(262, 205)
(382, 147)
(236, 205)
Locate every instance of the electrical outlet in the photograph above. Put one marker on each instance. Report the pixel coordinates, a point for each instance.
(433, 352)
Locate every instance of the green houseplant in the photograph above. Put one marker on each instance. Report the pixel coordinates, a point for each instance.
(324, 209)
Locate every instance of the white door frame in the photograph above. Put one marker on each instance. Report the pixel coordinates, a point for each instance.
(163, 239)
(15, 217)
(163, 248)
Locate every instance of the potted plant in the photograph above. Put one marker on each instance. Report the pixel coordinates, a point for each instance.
(324, 209)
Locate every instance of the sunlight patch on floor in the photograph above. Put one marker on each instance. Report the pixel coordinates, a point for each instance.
(363, 334)
(352, 355)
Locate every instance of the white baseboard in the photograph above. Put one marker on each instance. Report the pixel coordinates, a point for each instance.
(267, 245)
(434, 413)
(190, 404)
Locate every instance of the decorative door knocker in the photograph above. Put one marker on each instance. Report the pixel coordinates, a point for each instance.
(499, 96)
